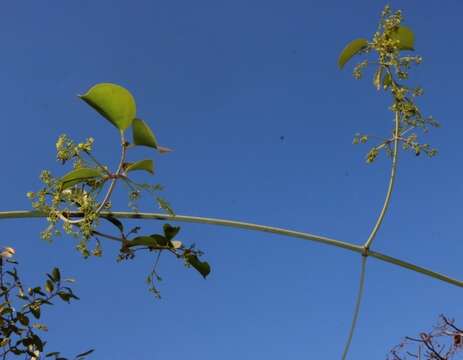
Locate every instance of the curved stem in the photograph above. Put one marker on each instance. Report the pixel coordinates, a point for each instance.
(118, 172)
(387, 200)
(373, 233)
(357, 307)
(253, 227)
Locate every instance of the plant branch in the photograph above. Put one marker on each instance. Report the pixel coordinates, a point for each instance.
(387, 200)
(118, 172)
(253, 227)
(374, 231)
(357, 307)
(111, 186)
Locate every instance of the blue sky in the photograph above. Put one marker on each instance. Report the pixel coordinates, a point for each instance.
(221, 83)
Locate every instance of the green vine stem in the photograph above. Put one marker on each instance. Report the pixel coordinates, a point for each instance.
(357, 306)
(390, 188)
(254, 227)
(374, 231)
(108, 194)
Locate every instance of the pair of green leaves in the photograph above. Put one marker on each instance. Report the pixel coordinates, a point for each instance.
(116, 104)
(80, 175)
(157, 241)
(403, 34)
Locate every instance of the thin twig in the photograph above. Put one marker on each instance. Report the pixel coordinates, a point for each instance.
(387, 200)
(110, 189)
(357, 307)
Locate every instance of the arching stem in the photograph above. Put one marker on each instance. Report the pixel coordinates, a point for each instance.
(357, 307)
(21, 214)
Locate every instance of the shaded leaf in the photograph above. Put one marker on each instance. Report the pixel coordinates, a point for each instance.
(163, 204)
(38, 290)
(65, 296)
(5, 309)
(49, 286)
(351, 49)
(84, 353)
(201, 266)
(113, 102)
(35, 310)
(78, 175)
(142, 134)
(56, 275)
(154, 241)
(146, 165)
(406, 38)
(23, 319)
(114, 221)
(170, 231)
(37, 341)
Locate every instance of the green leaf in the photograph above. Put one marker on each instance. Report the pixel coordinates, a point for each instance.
(201, 266)
(146, 165)
(37, 341)
(351, 49)
(49, 286)
(113, 102)
(82, 355)
(142, 134)
(154, 241)
(35, 310)
(65, 296)
(116, 222)
(163, 204)
(406, 38)
(56, 275)
(38, 290)
(170, 231)
(23, 319)
(78, 175)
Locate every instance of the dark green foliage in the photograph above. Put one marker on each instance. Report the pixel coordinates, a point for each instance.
(20, 332)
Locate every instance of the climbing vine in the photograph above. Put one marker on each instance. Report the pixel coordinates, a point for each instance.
(78, 201)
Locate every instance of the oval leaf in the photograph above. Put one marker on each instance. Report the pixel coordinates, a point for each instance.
(406, 38)
(142, 134)
(170, 231)
(201, 266)
(153, 241)
(56, 275)
(49, 286)
(350, 50)
(78, 175)
(116, 222)
(113, 102)
(146, 165)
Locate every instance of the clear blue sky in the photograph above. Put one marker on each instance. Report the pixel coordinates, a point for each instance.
(221, 82)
